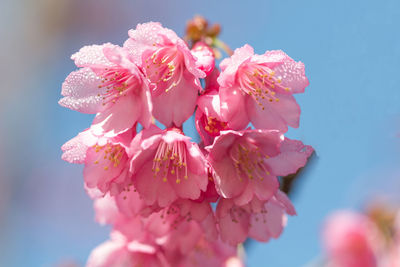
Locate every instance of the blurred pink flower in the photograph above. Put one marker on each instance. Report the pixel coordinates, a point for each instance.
(258, 219)
(120, 252)
(175, 230)
(212, 254)
(110, 85)
(259, 88)
(351, 240)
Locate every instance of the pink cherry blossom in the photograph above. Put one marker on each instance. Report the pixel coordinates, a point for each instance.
(247, 163)
(205, 57)
(208, 117)
(351, 240)
(259, 88)
(188, 222)
(106, 160)
(167, 166)
(155, 188)
(212, 254)
(170, 67)
(110, 85)
(258, 219)
(120, 252)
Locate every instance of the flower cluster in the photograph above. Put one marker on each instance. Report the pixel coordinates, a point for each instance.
(171, 201)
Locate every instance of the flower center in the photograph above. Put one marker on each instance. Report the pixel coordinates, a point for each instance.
(260, 82)
(117, 83)
(164, 68)
(171, 158)
(213, 126)
(249, 161)
(110, 155)
(236, 213)
(172, 214)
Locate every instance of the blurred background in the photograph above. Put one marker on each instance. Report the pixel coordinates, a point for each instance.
(350, 112)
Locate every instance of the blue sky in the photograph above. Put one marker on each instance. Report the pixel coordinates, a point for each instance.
(350, 115)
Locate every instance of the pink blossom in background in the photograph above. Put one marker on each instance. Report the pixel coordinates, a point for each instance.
(258, 89)
(170, 67)
(110, 85)
(351, 240)
(212, 254)
(119, 252)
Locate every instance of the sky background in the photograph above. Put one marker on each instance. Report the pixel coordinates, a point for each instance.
(350, 112)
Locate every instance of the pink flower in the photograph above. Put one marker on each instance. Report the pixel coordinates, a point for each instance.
(120, 252)
(110, 85)
(208, 117)
(170, 67)
(259, 88)
(212, 254)
(351, 240)
(187, 222)
(167, 166)
(258, 219)
(247, 163)
(175, 231)
(205, 57)
(106, 160)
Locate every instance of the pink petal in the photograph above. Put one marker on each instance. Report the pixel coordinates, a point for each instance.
(233, 107)
(227, 180)
(118, 118)
(285, 201)
(136, 246)
(230, 65)
(291, 73)
(187, 188)
(267, 225)
(92, 55)
(81, 92)
(177, 105)
(276, 115)
(266, 188)
(153, 189)
(233, 232)
(293, 156)
(204, 55)
(246, 196)
(110, 253)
